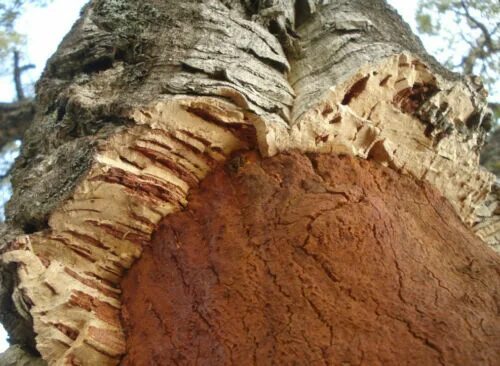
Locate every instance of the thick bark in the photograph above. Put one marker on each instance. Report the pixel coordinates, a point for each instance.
(144, 99)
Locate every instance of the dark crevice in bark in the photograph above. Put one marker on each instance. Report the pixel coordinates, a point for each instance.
(303, 10)
(356, 89)
(100, 64)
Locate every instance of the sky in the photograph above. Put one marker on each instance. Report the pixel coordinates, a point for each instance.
(45, 28)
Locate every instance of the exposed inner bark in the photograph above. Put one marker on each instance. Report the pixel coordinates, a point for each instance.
(326, 261)
(144, 98)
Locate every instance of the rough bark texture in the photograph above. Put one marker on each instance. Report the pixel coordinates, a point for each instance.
(324, 260)
(69, 275)
(143, 99)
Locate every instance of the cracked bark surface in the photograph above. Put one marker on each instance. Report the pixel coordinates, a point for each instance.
(326, 260)
(143, 99)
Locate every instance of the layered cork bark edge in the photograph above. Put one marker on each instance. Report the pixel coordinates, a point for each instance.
(397, 113)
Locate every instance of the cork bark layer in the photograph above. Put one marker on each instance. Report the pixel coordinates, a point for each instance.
(143, 99)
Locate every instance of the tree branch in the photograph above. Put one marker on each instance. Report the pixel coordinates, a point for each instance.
(486, 33)
(18, 71)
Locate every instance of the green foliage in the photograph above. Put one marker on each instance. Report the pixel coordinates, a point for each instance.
(425, 24)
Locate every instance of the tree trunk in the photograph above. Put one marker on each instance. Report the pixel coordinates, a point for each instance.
(211, 137)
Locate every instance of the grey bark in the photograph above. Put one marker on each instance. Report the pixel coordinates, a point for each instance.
(272, 57)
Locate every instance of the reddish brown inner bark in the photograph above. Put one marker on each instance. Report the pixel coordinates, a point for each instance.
(319, 260)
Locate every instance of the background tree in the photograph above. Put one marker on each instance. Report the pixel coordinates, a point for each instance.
(490, 156)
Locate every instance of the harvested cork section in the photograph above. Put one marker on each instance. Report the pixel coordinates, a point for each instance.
(312, 260)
